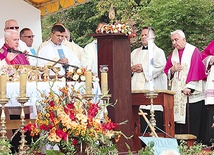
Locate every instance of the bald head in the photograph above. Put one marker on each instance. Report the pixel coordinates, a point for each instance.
(11, 24)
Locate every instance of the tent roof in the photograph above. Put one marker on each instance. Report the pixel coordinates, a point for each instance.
(51, 6)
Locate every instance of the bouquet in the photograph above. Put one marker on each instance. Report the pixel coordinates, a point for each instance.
(79, 75)
(74, 124)
(116, 28)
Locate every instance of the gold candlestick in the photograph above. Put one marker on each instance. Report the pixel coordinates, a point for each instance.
(3, 131)
(105, 99)
(152, 95)
(22, 147)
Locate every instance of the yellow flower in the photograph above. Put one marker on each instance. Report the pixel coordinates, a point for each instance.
(47, 115)
(82, 118)
(79, 71)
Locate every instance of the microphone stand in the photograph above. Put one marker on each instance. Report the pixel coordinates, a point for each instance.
(65, 66)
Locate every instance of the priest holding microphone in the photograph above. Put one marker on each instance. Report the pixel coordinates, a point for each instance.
(12, 42)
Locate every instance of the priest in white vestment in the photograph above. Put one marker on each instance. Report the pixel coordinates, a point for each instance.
(140, 72)
(26, 35)
(90, 54)
(208, 111)
(55, 50)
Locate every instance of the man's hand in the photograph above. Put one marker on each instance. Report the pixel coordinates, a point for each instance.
(11, 56)
(26, 54)
(176, 68)
(212, 60)
(187, 91)
(137, 68)
(64, 61)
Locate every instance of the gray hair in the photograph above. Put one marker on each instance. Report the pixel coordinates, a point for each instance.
(179, 32)
(8, 33)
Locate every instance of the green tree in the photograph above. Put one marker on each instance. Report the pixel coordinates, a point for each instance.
(81, 20)
(194, 17)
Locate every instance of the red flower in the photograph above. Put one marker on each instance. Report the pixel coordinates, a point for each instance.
(29, 127)
(52, 116)
(43, 127)
(62, 134)
(68, 107)
(93, 110)
(109, 126)
(52, 103)
(75, 141)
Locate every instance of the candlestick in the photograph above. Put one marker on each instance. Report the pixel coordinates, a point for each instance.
(22, 147)
(88, 82)
(23, 83)
(104, 79)
(3, 79)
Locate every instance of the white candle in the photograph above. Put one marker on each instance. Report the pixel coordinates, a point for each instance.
(104, 83)
(88, 82)
(3, 79)
(23, 83)
(151, 60)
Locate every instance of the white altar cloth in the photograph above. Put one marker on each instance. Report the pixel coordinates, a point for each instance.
(33, 90)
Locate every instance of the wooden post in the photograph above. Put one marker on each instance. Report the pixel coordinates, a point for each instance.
(114, 51)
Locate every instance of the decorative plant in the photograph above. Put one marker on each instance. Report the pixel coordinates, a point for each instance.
(74, 123)
(117, 28)
(5, 147)
(79, 75)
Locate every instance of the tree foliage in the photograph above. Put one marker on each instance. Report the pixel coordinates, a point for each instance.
(81, 20)
(194, 17)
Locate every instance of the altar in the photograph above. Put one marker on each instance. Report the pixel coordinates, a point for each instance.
(35, 89)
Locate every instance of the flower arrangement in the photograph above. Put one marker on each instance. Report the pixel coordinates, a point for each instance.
(79, 75)
(69, 120)
(116, 28)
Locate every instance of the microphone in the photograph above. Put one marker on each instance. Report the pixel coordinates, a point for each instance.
(55, 62)
(14, 51)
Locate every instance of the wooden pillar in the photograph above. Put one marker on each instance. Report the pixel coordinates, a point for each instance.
(114, 51)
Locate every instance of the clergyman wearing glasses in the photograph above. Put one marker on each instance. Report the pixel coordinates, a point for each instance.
(12, 24)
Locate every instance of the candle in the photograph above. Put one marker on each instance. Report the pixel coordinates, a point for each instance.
(23, 83)
(151, 60)
(104, 83)
(88, 82)
(3, 86)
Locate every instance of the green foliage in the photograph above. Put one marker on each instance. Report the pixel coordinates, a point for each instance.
(5, 147)
(193, 150)
(53, 152)
(194, 17)
(196, 149)
(81, 20)
(148, 150)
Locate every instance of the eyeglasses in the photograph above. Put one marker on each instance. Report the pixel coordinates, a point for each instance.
(29, 36)
(13, 27)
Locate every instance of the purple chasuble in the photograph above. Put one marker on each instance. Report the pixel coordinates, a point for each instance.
(209, 50)
(196, 70)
